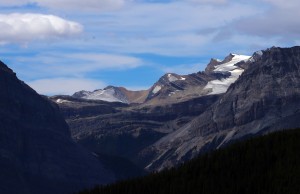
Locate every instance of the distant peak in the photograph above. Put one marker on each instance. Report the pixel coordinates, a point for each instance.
(109, 87)
(211, 65)
(229, 58)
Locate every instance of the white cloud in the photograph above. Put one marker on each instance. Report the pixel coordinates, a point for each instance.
(23, 28)
(65, 86)
(82, 5)
(95, 61)
(280, 21)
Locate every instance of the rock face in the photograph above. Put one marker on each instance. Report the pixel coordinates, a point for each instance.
(265, 98)
(37, 154)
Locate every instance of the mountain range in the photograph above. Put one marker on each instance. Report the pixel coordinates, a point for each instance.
(173, 88)
(182, 116)
(62, 144)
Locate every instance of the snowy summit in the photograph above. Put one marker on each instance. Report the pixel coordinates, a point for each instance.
(220, 86)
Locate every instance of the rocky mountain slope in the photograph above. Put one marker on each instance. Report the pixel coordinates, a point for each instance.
(122, 129)
(37, 154)
(185, 115)
(172, 88)
(265, 98)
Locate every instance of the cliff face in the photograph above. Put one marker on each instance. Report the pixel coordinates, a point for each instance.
(265, 98)
(37, 154)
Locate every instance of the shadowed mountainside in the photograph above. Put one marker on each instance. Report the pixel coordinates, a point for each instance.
(37, 154)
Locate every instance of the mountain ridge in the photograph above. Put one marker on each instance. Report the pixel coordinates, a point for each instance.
(37, 154)
(173, 87)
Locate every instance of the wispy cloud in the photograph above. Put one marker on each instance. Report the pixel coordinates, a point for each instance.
(75, 65)
(79, 5)
(70, 5)
(23, 28)
(280, 20)
(98, 61)
(178, 29)
(64, 86)
(13, 2)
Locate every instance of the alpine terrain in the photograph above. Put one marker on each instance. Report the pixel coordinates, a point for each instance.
(62, 144)
(183, 116)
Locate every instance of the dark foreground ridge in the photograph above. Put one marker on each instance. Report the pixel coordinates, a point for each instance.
(268, 164)
(37, 154)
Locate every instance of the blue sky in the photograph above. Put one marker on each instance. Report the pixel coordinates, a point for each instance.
(63, 46)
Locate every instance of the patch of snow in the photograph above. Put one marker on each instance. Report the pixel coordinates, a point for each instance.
(172, 78)
(60, 101)
(229, 66)
(156, 89)
(221, 86)
(171, 93)
(105, 95)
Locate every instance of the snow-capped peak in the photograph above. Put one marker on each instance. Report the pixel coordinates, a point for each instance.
(221, 86)
(230, 66)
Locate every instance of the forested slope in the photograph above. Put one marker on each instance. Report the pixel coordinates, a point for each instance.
(268, 164)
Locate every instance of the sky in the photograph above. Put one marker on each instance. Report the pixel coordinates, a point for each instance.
(64, 46)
